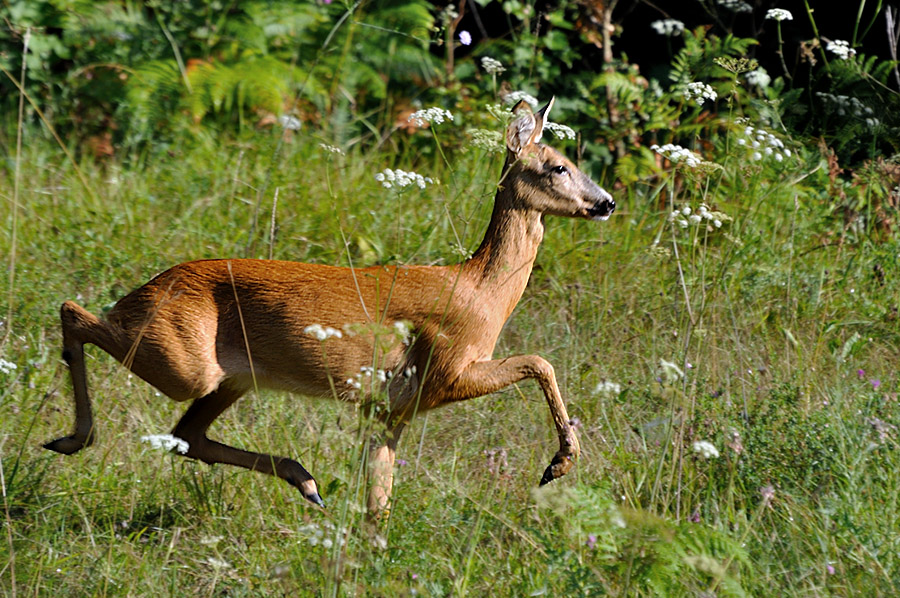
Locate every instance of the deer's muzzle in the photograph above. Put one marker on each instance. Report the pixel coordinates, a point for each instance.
(605, 206)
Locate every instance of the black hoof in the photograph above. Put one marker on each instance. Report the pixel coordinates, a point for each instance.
(315, 499)
(67, 445)
(548, 475)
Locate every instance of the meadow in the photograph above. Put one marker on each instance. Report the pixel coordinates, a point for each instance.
(727, 342)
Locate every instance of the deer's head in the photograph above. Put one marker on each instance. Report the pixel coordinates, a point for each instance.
(544, 180)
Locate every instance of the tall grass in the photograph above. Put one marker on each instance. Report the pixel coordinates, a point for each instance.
(756, 336)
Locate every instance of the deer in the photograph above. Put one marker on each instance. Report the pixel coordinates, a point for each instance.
(210, 331)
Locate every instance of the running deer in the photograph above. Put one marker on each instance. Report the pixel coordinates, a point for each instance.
(208, 331)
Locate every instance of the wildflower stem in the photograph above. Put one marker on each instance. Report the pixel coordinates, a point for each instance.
(780, 51)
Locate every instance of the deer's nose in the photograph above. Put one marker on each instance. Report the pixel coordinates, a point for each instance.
(603, 208)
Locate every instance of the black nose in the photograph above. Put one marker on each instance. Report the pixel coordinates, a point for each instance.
(603, 208)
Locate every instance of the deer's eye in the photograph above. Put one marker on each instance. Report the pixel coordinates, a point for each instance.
(560, 170)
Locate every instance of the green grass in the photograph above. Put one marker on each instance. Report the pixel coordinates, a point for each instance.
(782, 322)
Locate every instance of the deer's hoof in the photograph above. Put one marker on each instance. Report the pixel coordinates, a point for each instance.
(315, 499)
(67, 445)
(559, 467)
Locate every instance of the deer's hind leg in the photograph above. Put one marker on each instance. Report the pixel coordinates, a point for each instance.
(192, 428)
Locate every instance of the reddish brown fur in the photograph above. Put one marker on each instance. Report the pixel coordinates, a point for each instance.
(209, 330)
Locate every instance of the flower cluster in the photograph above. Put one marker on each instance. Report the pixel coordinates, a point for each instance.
(706, 449)
(698, 92)
(493, 67)
(668, 27)
(684, 217)
(513, 97)
(487, 139)
(7, 367)
(758, 78)
(333, 149)
(315, 534)
(322, 333)
(399, 178)
(167, 442)
(430, 115)
(845, 105)
(561, 131)
(735, 5)
(677, 154)
(841, 48)
(367, 373)
(779, 14)
(608, 388)
(465, 38)
(763, 144)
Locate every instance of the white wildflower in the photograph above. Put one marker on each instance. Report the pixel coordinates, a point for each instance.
(706, 449)
(668, 27)
(841, 48)
(735, 5)
(167, 442)
(322, 333)
(513, 97)
(493, 67)
(465, 38)
(486, 139)
(758, 78)
(331, 149)
(670, 371)
(430, 115)
(766, 144)
(698, 92)
(218, 563)
(608, 388)
(677, 154)
(561, 131)
(7, 367)
(779, 14)
(399, 178)
(696, 218)
(291, 123)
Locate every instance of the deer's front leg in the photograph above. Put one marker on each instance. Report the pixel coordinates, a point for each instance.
(382, 451)
(484, 377)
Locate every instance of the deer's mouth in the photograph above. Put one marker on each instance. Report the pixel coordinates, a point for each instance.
(602, 209)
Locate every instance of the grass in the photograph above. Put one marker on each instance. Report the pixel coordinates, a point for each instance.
(786, 340)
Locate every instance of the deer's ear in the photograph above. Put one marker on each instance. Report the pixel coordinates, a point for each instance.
(520, 132)
(541, 120)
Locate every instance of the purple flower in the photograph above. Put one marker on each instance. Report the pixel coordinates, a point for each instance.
(591, 541)
(465, 38)
(861, 374)
(829, 568)
(875, 383)
(695, 516)
(402, 462)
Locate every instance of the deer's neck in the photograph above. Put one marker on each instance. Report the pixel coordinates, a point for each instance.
(502, 264)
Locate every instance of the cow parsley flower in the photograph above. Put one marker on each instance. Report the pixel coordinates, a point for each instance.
(677, 154)
(7, 367)
(706, 449)
(167, 442)
(332, 149)
(465, 38)
(400, 179)
(758, 78)
(841, 48)
(322, 333)
(668, 27)
(608, 388)
(513, 98)
(493, 67)
(735, 5)
(698, 92)
(561, 131)
(763, 144)
(779, 14)
(430, 115)
(487, 139)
